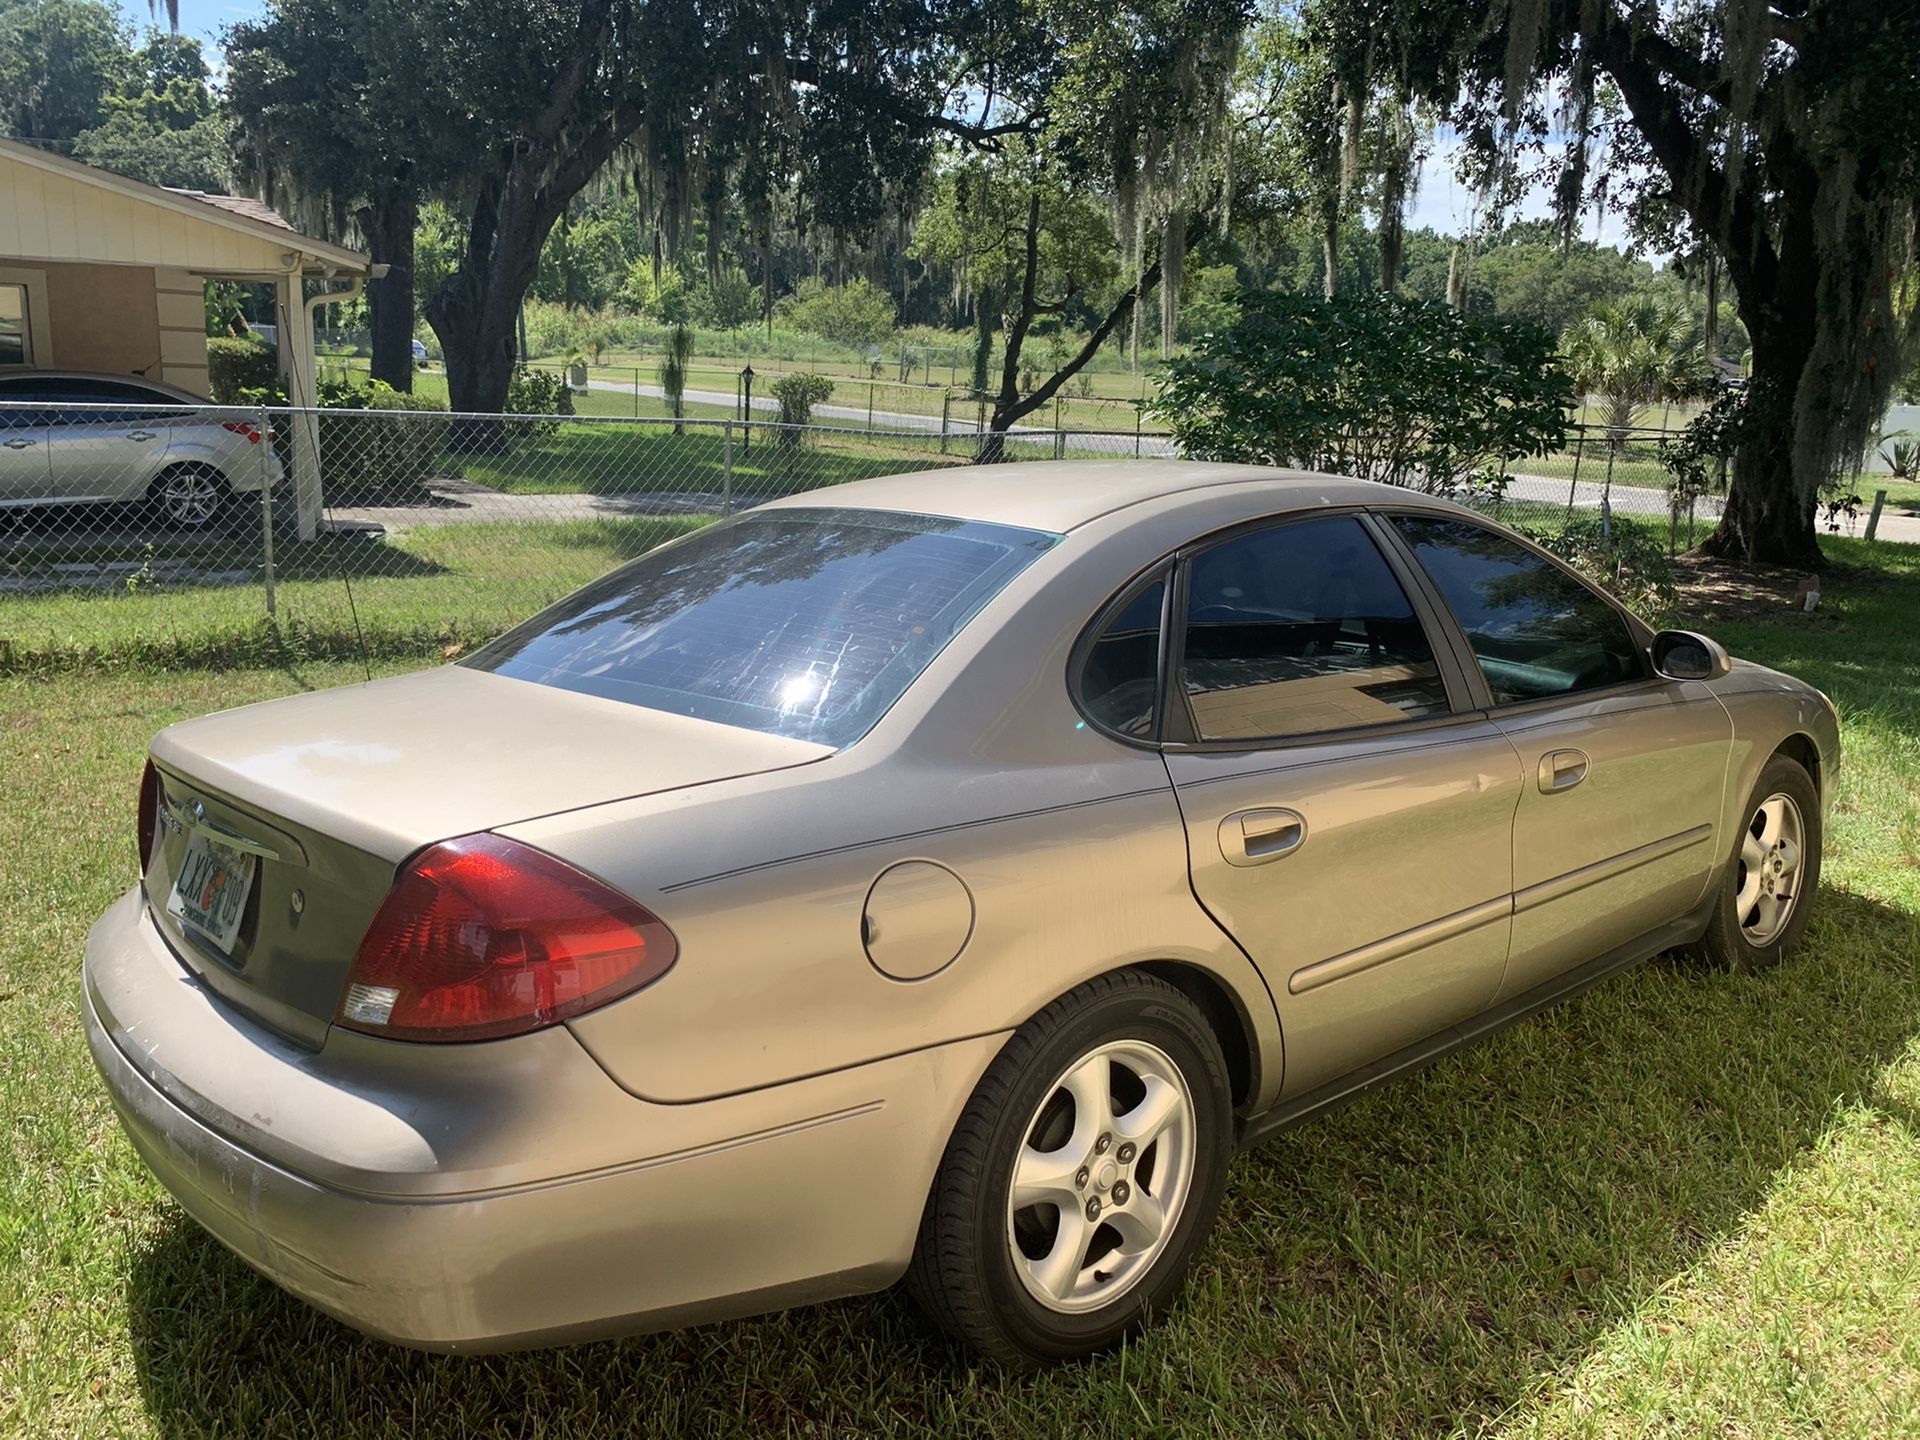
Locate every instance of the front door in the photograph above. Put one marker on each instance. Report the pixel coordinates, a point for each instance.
(1623, 771)
(1344, 824)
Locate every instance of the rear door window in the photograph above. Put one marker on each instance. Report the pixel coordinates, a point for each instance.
(1299, 629)
(805, 623)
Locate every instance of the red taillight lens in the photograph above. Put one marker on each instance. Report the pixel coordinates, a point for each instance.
(483, 937)
(243, 427)
(149, 821)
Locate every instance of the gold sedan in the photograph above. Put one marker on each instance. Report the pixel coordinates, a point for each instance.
(940, 876)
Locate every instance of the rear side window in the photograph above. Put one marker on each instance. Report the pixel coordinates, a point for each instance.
(1120, 681)
(1302, 628)
(1536, 631)
(804, 623)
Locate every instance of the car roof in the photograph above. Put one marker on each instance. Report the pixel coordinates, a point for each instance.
(33, 373)
(1060, 495)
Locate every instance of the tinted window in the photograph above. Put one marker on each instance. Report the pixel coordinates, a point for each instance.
(807, 623)
(1120, 680)
(1302, 628)
(94, 394)
(1535, 630)
(16, 347)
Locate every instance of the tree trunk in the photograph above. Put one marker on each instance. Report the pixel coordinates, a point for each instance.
(1769, 510)
(388, 225)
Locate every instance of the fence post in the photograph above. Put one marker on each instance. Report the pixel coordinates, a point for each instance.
(1873, 519)
(1137, 414)
(726, 473)
(946, 407)
(870, 407)
(1573, 487)
(1606, 497)
(265, 505)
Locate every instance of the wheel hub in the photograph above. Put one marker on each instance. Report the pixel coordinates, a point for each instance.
(1767, 879)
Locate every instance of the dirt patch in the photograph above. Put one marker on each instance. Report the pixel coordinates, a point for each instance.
(1711, 590)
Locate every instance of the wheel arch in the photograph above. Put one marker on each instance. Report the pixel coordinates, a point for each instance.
(175, 464)
(1226, 1016)
(1801, 748)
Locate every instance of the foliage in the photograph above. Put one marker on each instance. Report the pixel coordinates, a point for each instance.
(1708, 440)
(60, 60)
(673, 371)
(543, 393)
(1634, 353)
(237, 365)
(727, 300)
(1628, 560)
(1385, 387)
(386, 455)
(1902, 455)
(857, 313)
(582, 258)
(798, 393)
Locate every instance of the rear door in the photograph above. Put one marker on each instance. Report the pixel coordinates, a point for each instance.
(110, 444)
(23, 442)
(1348, 818)
(1623, 771)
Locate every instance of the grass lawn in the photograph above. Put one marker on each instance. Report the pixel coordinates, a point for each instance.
(1685, 1204)
(412, 595)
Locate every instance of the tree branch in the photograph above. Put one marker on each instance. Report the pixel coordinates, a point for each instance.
(1048, 388)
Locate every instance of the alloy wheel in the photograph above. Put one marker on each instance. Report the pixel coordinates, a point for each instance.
(192, 497)
(1105, 1167)
(1772, 860)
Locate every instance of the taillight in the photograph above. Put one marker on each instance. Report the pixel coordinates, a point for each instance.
(243, 427)
(483, 937)
(149, 821)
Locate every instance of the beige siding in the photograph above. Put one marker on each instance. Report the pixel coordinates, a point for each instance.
(47, 216)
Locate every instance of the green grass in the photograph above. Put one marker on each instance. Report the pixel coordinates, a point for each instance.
(1686, 1204)
(411, 594)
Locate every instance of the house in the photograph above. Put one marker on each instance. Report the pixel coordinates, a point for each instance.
(98, 272)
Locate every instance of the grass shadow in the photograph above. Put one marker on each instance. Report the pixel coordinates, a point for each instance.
(1422, 1261)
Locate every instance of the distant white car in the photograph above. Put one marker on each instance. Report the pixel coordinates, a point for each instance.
(72, 438)
(419, 352)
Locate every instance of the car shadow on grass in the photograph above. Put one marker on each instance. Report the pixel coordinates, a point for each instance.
(1424, 1260)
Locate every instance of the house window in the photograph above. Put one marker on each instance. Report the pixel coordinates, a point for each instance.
(16, 345)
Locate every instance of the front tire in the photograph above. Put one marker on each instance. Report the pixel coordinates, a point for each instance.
(1083, 1177)
(1766, 896)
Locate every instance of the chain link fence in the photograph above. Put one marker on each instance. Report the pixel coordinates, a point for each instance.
(200, 534)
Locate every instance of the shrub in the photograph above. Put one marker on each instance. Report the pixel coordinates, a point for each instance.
(1625, 559)
(388, 456)
(860, 313)
(1412, 392)
(236, 365)
(543, 393)
(798, 394)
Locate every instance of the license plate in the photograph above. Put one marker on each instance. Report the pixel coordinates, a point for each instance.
(210, 890)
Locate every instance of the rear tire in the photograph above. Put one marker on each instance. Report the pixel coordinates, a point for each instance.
(1112, 1110)
(195, 498)
(1766, 896)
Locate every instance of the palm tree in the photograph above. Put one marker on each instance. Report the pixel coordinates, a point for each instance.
(673, 373)
(1635, 353)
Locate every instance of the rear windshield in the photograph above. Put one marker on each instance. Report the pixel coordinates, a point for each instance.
(805, 623)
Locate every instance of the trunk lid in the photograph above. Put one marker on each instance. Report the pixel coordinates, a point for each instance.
(325, 794)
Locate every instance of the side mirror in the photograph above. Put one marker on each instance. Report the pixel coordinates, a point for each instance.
(1685, 655)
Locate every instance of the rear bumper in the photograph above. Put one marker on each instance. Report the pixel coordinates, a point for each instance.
(799, 1193)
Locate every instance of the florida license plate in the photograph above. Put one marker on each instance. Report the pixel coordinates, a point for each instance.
(210, 890)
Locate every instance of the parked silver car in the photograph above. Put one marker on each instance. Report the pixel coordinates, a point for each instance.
(70, 438)
(939, 876)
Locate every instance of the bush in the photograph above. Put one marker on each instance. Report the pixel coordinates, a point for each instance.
(388, 456)
(537, 392)
(798, 394)
(860, 313)
(1625, 559)
(1412, 392)
(235, 366)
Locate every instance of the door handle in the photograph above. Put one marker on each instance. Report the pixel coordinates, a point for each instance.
(142, 435)
(17, 443)
(1253, 837)
(1562, 770)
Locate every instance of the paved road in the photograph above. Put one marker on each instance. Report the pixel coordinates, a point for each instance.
(957, 423)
